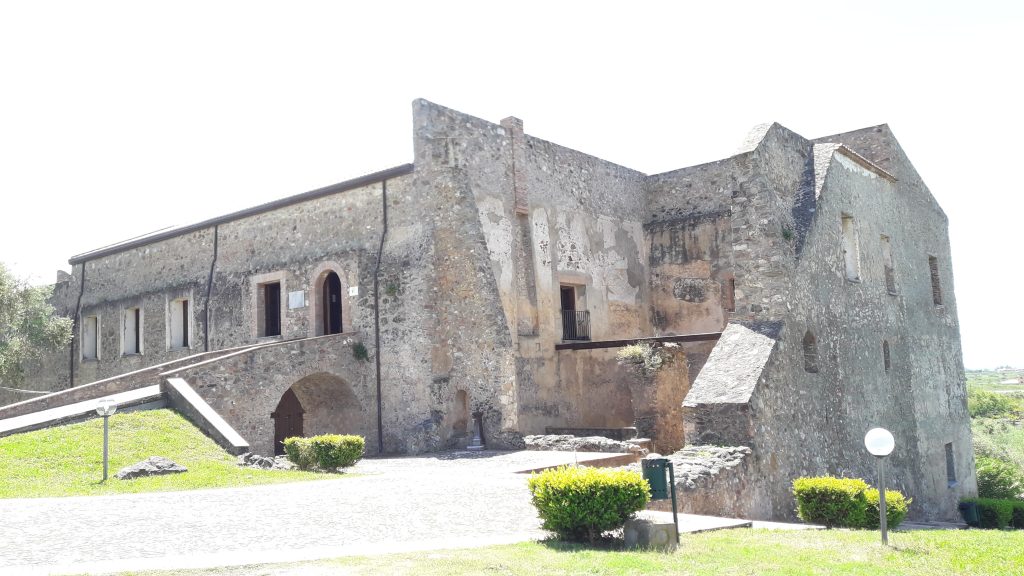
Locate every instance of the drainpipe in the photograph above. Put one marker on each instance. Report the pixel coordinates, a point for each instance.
(76, 322)
(376, 313)
(209, 290)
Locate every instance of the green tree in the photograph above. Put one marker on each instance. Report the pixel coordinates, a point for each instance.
(28, 326)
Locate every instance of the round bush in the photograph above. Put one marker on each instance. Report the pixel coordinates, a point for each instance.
(326, 452)
(333, 451)
(298, 451)
(832, 501)
(582, 503)
(998, 479)
(896, 506)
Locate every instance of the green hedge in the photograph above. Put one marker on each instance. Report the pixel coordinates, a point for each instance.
(896, 506)
(846, 502)
(327, 452)
(831, 501)
(582, 503)
(995, 513)
(1017, 520)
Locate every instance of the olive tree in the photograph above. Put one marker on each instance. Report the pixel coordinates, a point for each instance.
(28, 326)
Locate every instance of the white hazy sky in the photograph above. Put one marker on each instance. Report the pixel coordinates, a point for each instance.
(119, 118)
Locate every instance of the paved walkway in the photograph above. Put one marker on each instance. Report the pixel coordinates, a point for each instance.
(448, 500)
(445, 500)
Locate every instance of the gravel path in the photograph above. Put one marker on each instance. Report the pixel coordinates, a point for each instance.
(397, 503)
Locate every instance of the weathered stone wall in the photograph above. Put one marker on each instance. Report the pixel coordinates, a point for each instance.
(809, 422)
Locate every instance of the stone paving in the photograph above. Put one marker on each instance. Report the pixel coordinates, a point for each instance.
(396, 504)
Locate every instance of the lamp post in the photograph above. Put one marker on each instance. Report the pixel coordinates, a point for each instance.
(880, 444)
(105, 407)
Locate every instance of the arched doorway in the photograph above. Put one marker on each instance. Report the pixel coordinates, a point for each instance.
(287, 420)
(331, 304)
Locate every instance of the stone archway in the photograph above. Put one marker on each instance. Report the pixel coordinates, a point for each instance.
(330, 310)
(287, 420)
(330, 304)
(330, 406)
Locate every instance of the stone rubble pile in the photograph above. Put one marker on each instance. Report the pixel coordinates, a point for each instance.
(250, 460)
(569, 443)
(152, 466)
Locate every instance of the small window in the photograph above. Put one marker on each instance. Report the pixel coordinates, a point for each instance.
(950, 466)
(810, 352)
(269, 309)
(179, 323)
(729, 294)
(90, 338)
(851, 251)
(131, 331)
(885, 355)
(933, 267)
(890, 274)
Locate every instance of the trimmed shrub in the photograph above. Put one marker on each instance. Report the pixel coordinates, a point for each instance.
(832, 501)
(299, 452)
(333, 451)
(993, 513)
(1017, 518)
(582, 503)
(327, 452)
(896, 506)
(998, 479)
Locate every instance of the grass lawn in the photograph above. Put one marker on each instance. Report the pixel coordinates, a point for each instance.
(68, 460)
(722, 553)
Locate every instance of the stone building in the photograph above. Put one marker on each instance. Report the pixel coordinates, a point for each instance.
(800, 291)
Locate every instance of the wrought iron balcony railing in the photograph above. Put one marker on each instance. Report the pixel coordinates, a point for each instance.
(575, 325)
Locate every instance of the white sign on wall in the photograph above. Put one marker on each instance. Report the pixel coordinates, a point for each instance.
(297, 299)
(353, 291)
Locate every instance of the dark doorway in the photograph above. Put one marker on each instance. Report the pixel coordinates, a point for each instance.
(272, 309)
(287, 420)
(332, 304)
(568, 298)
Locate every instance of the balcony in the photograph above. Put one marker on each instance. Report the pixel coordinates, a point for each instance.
(575, 325)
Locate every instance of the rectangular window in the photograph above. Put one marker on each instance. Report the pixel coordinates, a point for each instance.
(851, 251)
(269, 309)
(131, 331)
(179, 323)
(950, 466)
(729, 295)
(890, 275)
(90, 338)
(933, 267)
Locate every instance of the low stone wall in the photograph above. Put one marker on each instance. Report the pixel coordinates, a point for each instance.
(714, 480)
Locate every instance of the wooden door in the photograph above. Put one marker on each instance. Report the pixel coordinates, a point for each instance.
(287, 420)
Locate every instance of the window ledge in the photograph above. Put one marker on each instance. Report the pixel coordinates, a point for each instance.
(131, 354)
(854, 280)
(90, 360)
(891, 293)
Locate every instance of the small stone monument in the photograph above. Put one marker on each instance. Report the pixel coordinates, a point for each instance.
(649, 534)
(477, 442)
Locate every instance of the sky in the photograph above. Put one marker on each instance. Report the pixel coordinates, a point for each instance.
(121, 118)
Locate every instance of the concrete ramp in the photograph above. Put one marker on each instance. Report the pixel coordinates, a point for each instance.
(147, 397)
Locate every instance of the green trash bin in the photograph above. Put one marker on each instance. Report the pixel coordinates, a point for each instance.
(654, 472)
(969, 511)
